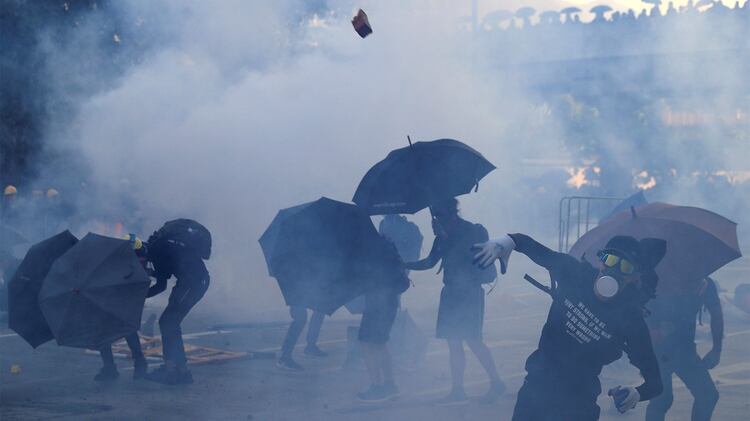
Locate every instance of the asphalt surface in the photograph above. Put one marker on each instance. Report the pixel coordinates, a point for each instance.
(56, 382)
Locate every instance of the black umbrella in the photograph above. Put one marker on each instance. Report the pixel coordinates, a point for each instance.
(324, 253)
(94, 293)
(24, 315)
(417, 176)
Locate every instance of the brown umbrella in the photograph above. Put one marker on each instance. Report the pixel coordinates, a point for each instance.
(699, 242)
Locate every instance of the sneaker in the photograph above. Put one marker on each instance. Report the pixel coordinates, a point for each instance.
(170, 376)
(107, 374)
(492, 395)
(140, 369)
(375, 393)
(314, 351)
(456, 397)
(289, 364)
(391, 390)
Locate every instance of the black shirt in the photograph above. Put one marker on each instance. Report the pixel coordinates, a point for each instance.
(582, 333)
(171, 259)
(454, 250)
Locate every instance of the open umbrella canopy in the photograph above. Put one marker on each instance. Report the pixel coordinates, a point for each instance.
(24, 315)
(699, 241)
(94, 293)
(417, 176)
(323, 253)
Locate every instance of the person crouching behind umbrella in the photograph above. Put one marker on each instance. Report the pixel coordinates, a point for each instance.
(172, 251)
(381, 307)
(109, 371)
(596, 314)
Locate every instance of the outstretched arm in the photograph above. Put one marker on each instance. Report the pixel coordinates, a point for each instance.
(429, 261)
(501, 249)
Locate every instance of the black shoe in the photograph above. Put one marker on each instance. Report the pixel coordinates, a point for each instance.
(376, 393)
(289, 364)
(456, 397)
(496, 390)
(140, 369)
(314, 351)
(107, 374)
(171, 376)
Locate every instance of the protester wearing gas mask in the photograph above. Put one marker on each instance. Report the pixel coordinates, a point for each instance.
(596, 313)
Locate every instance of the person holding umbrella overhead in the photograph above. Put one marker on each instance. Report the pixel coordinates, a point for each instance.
(596, 314)
(461, 310)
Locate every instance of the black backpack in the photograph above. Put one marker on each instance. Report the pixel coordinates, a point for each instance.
(184, 233)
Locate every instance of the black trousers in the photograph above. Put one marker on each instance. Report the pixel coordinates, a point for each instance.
(299, 319)
(546, 399)
(689, 368)
(135, 349)
(184, 296)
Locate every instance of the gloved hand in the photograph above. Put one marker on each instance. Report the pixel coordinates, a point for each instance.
(625, 397)
(499, 248)
(711, 359)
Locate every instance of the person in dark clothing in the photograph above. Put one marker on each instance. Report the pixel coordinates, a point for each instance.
(381, 307)
(596, 314)
(299, 319)
(672, 325)
(109, 372)
(178, 250)
(461, 310)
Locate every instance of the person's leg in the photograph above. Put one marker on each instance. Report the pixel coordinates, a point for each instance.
(372, 362)
(182, 299)
(108, 359)
(134, 343)
(698, 380)
(657, 407)
(299, 319)
(457, 360)
(109, 369)
(485, 358)
(483, 354)
(139, 360)
(386, 365)
(313, 329)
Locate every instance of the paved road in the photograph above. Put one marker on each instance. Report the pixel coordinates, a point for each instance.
(55, 383)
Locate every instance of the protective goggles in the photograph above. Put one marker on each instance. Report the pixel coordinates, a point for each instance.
(614, 261)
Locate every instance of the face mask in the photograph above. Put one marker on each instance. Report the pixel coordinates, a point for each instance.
(606, 287)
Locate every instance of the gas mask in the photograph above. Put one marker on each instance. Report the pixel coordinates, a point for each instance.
(613, 279)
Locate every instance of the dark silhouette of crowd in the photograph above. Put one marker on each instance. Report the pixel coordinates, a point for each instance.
(564, 35)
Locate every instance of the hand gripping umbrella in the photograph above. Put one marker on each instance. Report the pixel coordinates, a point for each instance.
(94, 293)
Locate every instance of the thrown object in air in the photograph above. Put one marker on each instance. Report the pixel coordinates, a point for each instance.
(361, 24)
